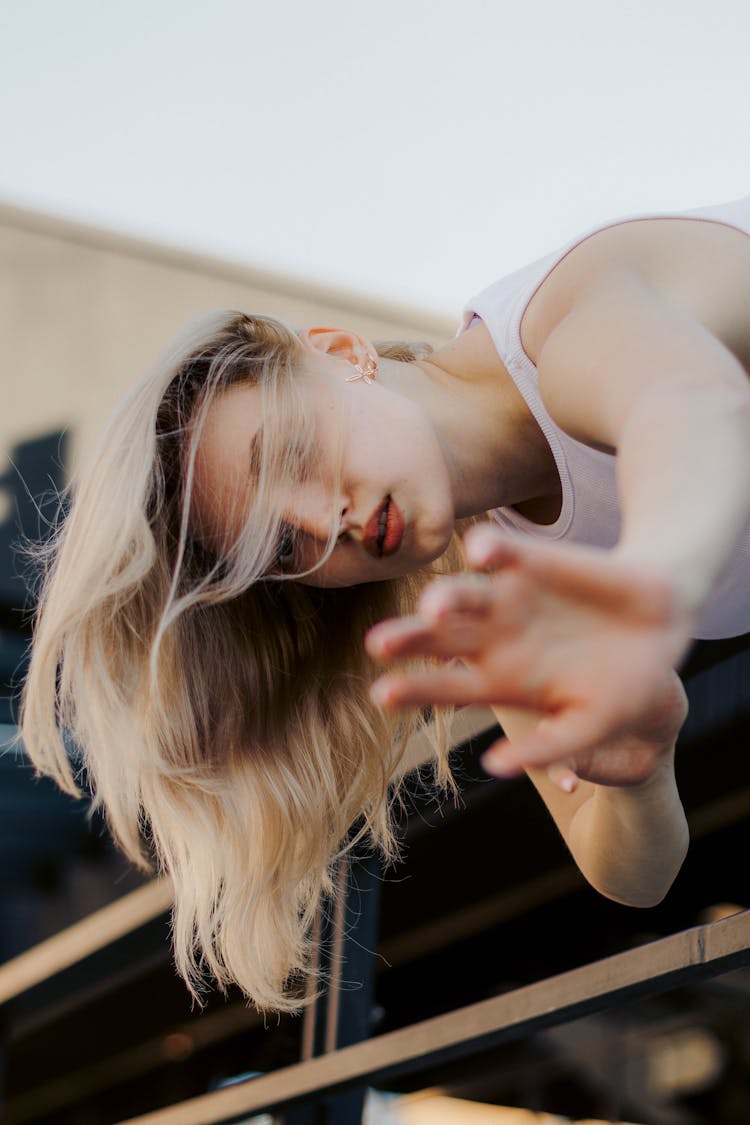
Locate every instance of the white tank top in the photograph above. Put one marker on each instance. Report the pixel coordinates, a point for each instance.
(590, 511)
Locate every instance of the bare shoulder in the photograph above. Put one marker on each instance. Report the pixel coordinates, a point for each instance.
(702, 267)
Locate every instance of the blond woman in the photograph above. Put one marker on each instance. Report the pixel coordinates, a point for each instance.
(266, 498)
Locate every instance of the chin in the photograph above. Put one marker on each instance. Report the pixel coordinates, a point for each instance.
(385, 569)
(378, 573)
(336, 582)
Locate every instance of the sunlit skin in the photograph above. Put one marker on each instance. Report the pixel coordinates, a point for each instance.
(419, 433)
(422, 433)
(641, 342)
(642, 345)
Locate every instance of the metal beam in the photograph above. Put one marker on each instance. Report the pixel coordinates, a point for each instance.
(83, 938)
(133, 910)
(656, 967)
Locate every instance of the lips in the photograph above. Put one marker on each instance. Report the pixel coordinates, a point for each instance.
(384, 529)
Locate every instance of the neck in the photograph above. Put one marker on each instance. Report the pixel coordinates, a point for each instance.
(496, 453)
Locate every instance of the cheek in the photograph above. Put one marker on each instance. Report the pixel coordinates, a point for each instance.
(218, 505)
(384, 440)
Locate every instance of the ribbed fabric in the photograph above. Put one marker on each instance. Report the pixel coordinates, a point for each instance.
(590, 512)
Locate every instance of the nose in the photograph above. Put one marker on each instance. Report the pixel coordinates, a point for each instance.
(313, 510)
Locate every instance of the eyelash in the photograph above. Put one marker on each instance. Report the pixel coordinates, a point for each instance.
(284, 553)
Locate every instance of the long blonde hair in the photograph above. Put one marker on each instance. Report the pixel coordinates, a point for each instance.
(220, 717)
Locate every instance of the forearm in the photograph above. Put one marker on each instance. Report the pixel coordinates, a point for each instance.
(684, 479)
(630, 842)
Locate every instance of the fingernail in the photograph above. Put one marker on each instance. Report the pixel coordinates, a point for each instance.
(568, 784)
(379, 693)
(376, 645)
(484, 537)
(496, 767)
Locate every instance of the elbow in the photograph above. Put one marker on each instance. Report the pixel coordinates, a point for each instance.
(640, 899)
(648, 887)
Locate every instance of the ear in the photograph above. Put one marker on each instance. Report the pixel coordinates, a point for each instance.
(339, 342)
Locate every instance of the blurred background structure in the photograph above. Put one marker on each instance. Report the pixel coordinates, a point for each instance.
(488, 899)
(371, 165)
(411, 150)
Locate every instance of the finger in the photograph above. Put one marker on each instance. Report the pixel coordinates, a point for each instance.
(459, 637)
(452, 619)
(502, 600)
(493, 761)
(560, 775)
(461, 593)
(563, 777)
(577, 570)
(383, 640)
(448, 685)
(553, 741)
(488, 548)
(580, 572)
(401, 638)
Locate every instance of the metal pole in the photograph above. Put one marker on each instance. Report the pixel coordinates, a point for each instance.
(342, 1015)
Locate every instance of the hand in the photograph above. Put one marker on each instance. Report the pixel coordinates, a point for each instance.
(584, 639)
(629, 759)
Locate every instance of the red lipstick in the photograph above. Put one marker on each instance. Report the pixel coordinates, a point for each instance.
(384, 529)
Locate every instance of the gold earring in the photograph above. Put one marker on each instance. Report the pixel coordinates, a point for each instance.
(365, 371)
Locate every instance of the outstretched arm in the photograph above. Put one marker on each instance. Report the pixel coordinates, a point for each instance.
(629, 368)
(589, 638)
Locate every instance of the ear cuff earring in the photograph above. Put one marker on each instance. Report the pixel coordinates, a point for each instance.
(365, 371)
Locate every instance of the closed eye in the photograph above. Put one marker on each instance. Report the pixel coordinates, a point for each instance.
(288, 548)
(284, 555)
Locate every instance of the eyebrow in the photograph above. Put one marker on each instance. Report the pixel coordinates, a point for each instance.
(253, 450)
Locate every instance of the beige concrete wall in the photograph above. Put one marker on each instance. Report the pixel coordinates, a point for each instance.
(84, 312)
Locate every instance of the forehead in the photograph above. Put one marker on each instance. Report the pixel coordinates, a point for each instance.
(222, 466)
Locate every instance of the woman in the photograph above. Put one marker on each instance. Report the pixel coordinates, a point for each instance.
(266, 498)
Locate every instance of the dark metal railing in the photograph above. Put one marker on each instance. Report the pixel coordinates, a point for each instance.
(703, 951)
(337, 1057)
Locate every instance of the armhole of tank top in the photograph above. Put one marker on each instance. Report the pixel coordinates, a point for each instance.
(517, 360)
(522, 371)
(698, 214)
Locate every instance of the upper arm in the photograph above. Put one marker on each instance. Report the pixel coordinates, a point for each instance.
(621, 337)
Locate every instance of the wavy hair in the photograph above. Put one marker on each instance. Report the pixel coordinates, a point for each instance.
(219, 715)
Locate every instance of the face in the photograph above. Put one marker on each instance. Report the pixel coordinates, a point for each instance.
(393, 511)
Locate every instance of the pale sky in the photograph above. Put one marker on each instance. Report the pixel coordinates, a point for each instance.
(409, 149)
